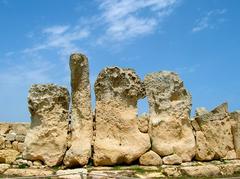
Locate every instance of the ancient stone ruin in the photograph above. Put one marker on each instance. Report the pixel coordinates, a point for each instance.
(66, 131)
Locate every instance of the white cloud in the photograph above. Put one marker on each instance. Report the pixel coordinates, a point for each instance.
(61, 38)
(123, 18)
(56, 29)
(209, 20)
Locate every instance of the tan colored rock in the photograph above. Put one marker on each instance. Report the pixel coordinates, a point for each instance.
(172, 160)
(236, 131)
(73, 173)
(231, 155)
(15, 145)
(118, 139)
(8, 156)
(170, 105)
(20, 138)
(4, 167)
(8, 145)
(143, 123)
(150, 159)
(20, 147)
(11, 137)
(27, 172)
(2, 142)
(4, 128)
(201, 171)
(19, 128)
(171, 172)
(81, 113)
(215, 139)
(46, 140)
(229, 169)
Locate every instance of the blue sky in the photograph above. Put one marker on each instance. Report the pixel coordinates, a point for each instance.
(198, 39)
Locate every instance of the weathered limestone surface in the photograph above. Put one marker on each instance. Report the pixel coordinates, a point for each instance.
(118, 139)
(81, 113)
(8, 156)
(214, 137)
(150, 159)
(27, 172)
(170, 105)
(201, 171)
(143, 123)
(47, 139)
(236, 131)
(173, 159)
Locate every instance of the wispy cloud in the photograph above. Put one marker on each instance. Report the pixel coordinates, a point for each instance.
(60, 38)
(210, 20)
(123, 18)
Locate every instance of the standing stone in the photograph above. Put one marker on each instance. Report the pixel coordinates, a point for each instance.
(47, 137)
(214, 139)
(81, 113)
(236, 131)
(118, 139)
(170, 105)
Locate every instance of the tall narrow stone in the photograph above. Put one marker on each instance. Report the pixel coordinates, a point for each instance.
(81, 113)
(118, 139)
(46, 140)
(236, 131)
(169, 126)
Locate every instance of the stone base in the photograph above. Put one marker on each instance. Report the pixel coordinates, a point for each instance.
(188, 169)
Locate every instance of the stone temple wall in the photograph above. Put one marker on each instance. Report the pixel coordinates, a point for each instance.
(12, 135)
(66, 131)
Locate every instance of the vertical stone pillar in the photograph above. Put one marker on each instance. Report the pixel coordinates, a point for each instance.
(81, 113)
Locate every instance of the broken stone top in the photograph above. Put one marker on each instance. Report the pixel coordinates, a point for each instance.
(165, 91)
(219, 113)
(119, 83)
(79, 68)
(44, 97)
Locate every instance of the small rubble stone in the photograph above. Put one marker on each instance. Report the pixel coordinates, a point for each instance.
(172, 160)
(8, 156)
(150, 159)
(171, 172)
(73, 173)
(4, 167)
(20, 138)
(11, 137)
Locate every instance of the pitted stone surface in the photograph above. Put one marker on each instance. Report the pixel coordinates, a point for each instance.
(170, 105)
(118, 139)
(214, 137)
(150, 158)
(81, 113)
(236, 131)
(46, 140)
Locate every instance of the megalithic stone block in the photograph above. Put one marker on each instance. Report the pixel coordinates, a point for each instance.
(46, 140)
(170, 105)
(81, 113)
(118, 139)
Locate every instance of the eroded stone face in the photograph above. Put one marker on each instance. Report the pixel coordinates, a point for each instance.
(81, 113)
(236, 131)
(169, 125)
(118, 139)
(46, 139)
(214, 137)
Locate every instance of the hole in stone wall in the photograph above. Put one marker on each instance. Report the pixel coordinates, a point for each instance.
(143, 106)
